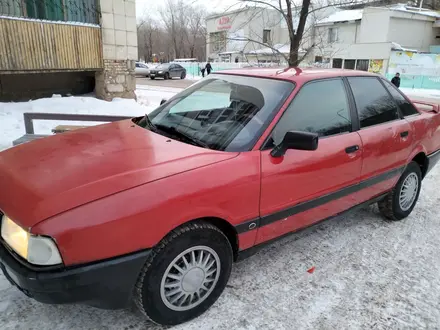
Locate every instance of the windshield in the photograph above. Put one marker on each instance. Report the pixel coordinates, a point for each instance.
(162, 66)
(222, 112)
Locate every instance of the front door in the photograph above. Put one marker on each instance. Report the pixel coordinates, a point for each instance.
(386, 136)
(303, 187)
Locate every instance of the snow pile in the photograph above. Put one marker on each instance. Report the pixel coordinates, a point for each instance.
(11, 114)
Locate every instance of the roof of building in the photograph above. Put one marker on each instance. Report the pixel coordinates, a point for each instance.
(356, 14)
(343, 16)
(295, 74)
(413, 10)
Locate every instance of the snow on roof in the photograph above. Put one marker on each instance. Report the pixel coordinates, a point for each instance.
(414, 10)
(396, 46)
(343, 16)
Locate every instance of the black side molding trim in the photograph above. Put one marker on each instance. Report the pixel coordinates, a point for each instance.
(244, 254)
(305, 206)
(248, 225)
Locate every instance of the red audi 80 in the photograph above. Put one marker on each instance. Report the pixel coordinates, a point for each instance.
(156, 209)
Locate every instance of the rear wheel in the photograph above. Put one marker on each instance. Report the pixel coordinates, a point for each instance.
(185, 274)
(400, 202)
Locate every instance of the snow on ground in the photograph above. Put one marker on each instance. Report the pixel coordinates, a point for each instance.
(423, 93)
(370, 273)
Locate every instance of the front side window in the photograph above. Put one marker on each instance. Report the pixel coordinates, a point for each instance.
(319, 107)
(222, 112)
(373, 103)
(405, 106)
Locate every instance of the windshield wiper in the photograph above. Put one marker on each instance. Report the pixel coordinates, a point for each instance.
(149, 123)
(173, 131)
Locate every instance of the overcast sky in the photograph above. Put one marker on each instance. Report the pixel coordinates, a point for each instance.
(150, 7)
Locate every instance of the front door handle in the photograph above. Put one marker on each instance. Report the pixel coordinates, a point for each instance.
(351, 149)
(404, 134)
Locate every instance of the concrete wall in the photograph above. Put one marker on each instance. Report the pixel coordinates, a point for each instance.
(413, 34)
(119, 42)
(374, 26)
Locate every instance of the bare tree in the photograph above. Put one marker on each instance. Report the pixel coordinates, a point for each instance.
(295, 15)
(147, 37)
(183, 28)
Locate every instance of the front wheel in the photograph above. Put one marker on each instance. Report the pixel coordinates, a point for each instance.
(185, 274)
(166, 76)
(400, 202)
(182, 75)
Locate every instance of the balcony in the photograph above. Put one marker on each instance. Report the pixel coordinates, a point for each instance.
(49, 36)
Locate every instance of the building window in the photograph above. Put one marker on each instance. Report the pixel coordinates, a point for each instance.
(266, 37)
(83, 11)
(362, 65)
(337, 63)
(349, 64)
(318, 59)
(218, 41)
(332, 35)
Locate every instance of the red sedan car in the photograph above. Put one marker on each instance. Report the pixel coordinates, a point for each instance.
(156, 209)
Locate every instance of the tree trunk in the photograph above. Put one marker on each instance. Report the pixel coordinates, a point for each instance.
(296, 36)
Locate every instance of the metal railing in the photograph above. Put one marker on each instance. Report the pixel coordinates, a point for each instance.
(81, 11)
(29, 117)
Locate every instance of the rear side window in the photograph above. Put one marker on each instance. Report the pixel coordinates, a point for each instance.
(319, 107)
(373, 103)
(406, 107)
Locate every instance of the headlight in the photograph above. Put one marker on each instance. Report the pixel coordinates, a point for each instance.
(160, 72)
(37, 250)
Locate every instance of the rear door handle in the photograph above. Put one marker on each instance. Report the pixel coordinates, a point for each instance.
(404, 134)
(351, 149)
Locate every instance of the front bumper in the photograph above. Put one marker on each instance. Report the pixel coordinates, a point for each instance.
(107, 284)
(157, 74)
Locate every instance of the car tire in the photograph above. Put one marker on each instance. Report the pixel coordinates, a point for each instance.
(166, 76)
(183, 75)
(399, 203)
(206, 250)
(152, 78)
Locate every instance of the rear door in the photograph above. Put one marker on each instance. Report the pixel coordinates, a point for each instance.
(386, 136)
(173, 71)
(303, 187)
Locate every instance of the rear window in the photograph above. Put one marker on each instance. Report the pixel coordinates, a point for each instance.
(374, 105)
(405, 107)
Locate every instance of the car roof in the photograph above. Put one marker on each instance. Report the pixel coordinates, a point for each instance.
(296, 74)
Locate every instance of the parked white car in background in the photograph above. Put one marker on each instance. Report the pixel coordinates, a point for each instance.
(142, 69)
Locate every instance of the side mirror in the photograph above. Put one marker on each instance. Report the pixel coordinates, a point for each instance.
(163, 101)
(296, 140)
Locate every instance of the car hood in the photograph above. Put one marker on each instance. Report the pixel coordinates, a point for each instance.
(45, 177)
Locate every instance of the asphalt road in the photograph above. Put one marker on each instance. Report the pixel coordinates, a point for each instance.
(173, 83)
